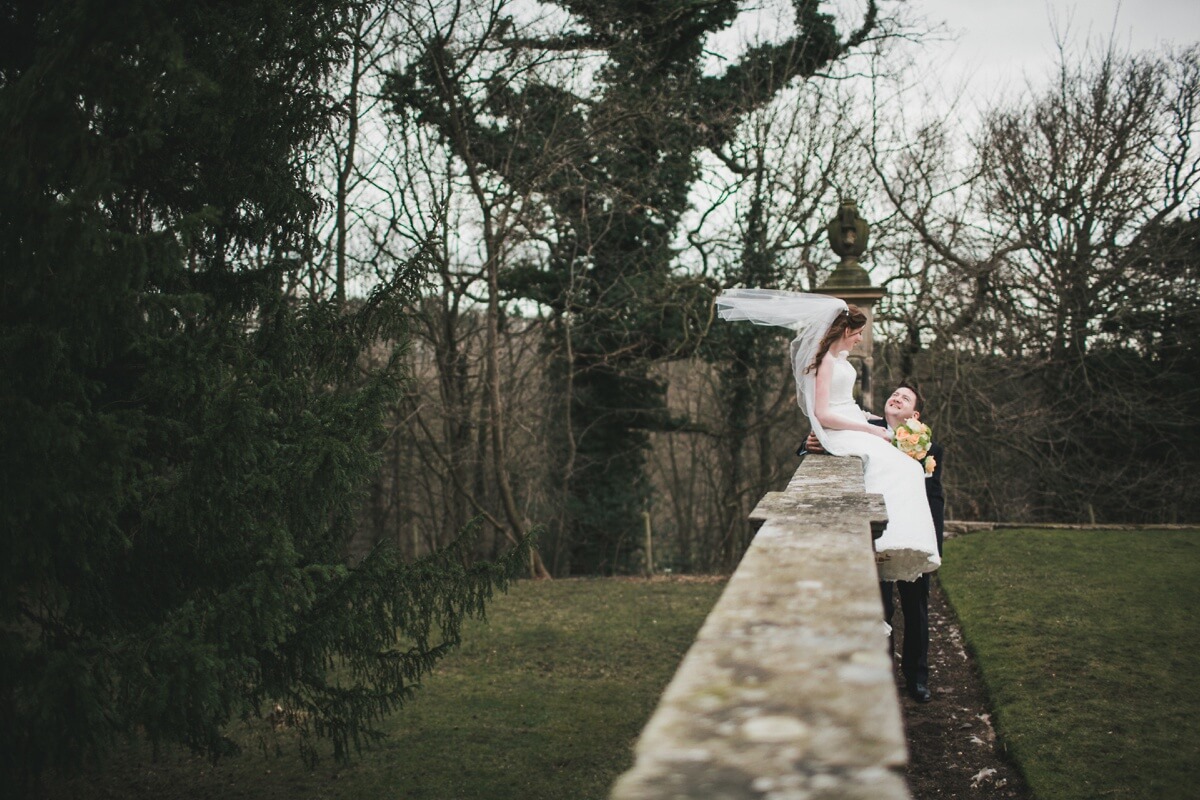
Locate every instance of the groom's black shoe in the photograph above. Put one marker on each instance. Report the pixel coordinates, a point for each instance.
(920, 692)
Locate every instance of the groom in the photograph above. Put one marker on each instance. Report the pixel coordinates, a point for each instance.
(905, 403)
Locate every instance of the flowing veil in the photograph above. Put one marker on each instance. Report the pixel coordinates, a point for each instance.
(810, 315)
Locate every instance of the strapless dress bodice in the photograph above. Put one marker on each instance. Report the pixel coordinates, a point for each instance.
(841, 387)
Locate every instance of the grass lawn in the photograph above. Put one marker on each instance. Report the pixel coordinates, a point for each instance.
(1089, 643)
(542, 701)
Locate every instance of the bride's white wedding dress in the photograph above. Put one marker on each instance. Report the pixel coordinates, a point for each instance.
(908, 547)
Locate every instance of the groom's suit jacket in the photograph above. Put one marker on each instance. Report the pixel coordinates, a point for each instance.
(933, 489)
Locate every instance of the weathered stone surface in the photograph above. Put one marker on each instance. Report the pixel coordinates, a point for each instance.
(787, 692)
(823, 480)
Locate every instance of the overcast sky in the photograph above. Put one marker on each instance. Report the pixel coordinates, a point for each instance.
(990, 47)
(999, 42)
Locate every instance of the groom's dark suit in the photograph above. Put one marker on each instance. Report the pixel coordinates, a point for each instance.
(914, 595)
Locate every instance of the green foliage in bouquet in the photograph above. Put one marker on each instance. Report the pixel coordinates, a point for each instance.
(186, 440)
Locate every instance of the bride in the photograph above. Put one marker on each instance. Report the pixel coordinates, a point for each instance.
(827, 330)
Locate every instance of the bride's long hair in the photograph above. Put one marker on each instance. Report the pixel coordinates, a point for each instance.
(850, 319)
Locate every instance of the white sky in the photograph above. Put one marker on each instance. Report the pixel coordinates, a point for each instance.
(986, 49)
(997, 44)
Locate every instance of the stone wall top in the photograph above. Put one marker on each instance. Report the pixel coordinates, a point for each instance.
(787, 692)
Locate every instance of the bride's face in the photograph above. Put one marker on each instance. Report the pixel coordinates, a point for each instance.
(851, 338)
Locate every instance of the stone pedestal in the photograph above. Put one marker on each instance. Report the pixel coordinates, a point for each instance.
(863, 355)
(848, 236)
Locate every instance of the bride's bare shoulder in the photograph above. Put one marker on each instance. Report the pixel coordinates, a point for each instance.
(826, 363)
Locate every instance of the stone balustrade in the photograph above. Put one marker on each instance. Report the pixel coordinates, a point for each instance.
(787, 692)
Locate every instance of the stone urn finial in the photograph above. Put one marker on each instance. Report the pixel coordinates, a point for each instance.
(848, 236)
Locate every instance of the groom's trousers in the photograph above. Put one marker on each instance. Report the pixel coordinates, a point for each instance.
(914, 604)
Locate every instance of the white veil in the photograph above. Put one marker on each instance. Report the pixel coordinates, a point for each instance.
(810, 315)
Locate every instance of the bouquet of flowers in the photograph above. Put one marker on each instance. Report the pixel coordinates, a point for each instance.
(914, 438)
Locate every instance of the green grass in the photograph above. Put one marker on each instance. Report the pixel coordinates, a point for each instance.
(1088, 642)
(545, 700)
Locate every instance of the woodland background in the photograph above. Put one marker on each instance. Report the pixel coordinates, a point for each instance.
(590, 176)
(316, 311)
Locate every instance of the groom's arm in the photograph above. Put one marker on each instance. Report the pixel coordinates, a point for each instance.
(933, 492)
(811, 446)
(933, 484)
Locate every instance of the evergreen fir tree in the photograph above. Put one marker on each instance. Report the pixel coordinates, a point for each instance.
(185, 443)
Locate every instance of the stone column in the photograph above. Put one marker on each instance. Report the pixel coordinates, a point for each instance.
(848, 235)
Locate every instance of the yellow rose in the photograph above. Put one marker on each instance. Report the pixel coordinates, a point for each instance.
(930, 465)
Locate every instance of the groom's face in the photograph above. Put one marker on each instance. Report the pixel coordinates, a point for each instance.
(902, 404)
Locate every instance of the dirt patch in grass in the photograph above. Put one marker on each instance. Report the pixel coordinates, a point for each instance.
(953, 751)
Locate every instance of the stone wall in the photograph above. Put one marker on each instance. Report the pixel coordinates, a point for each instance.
(787, 692)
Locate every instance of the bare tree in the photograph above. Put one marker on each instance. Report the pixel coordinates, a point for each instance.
(1019, 263)
(768, 193)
